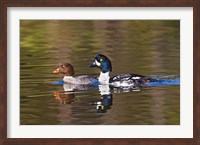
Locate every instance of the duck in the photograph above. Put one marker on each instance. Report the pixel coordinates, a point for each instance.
(122, 80)
(68, 71)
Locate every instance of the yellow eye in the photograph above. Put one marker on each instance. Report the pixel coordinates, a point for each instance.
(101, 59)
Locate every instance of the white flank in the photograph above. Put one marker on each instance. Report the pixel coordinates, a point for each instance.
(69, 79)
(135, 78)
(123, 84)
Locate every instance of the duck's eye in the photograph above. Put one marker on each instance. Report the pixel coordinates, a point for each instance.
(101, 59)
(63, 66)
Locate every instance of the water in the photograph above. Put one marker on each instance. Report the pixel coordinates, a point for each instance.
(143, 47)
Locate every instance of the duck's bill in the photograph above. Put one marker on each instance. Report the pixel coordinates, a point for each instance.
(93, 64)
(56, 71)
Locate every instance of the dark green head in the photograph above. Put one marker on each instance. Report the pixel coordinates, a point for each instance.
(102, 62)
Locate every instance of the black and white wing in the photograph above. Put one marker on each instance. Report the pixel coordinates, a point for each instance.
(125, 77)
(127, 80)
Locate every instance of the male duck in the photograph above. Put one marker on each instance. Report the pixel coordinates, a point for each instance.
(68, 71)
(121, 80)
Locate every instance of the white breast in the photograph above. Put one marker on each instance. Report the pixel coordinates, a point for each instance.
(104, 78)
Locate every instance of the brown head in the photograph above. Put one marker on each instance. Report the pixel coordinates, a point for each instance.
(65, 68)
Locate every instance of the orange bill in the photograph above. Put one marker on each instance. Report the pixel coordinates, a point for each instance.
(56, 71)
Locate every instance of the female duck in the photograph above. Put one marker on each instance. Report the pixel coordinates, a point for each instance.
(68, 72)
(122, 80)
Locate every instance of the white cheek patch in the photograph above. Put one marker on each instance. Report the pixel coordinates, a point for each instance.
(97, 63)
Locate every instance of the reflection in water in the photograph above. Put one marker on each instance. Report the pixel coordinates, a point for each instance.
(64, 98)
(67, 96)
(104, 103)
(106, 97)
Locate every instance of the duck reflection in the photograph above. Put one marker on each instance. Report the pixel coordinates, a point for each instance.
(105, 101)
(101, 105)
(67, 96)
(64, 98)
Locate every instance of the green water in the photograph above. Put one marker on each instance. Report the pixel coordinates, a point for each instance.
(141, 47)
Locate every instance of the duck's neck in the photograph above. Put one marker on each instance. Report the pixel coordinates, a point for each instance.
(104, 78)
